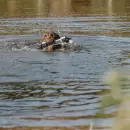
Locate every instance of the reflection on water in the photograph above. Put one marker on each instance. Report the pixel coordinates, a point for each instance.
(60, 89)
(108, 26)
(56, 8)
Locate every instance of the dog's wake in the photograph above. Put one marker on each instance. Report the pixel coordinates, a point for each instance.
(49, 42)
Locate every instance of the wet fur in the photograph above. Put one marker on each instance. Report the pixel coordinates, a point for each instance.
(50, 37)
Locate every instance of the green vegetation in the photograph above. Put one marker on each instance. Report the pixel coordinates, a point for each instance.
(119, 82)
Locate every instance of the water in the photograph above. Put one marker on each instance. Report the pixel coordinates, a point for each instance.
(61, 89)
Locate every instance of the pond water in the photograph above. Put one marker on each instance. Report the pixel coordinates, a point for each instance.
(61, 89)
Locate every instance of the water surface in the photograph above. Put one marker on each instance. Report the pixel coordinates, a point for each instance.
(61, 89)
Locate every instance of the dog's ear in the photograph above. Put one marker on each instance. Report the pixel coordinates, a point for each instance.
(51, 35)
(46, 34)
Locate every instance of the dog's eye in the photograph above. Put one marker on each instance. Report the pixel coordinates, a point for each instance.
(51, 35)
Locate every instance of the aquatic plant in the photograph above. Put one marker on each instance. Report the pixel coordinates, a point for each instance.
(119, 82)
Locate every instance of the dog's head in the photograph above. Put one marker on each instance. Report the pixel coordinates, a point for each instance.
(48, 37)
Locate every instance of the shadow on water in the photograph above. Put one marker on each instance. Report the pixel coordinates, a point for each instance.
(60, 89)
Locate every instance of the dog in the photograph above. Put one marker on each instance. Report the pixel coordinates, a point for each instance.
(48, 41)
(51, 41)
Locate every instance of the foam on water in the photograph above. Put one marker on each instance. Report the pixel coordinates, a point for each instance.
(25, 48)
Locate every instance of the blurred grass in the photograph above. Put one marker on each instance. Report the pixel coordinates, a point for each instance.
(118, 81)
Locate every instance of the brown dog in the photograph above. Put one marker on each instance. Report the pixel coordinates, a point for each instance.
(50, 37)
